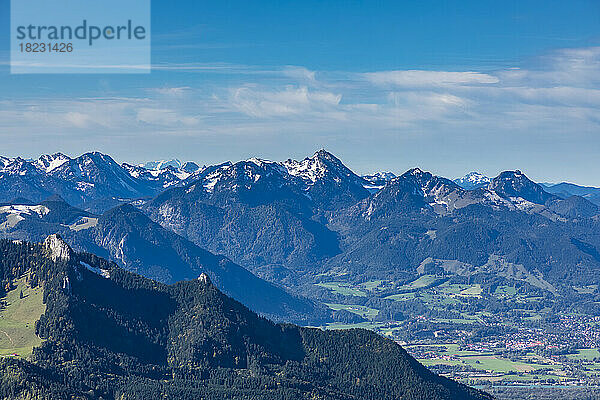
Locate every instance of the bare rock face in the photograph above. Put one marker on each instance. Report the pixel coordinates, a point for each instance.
(59, 249)
(204, 278)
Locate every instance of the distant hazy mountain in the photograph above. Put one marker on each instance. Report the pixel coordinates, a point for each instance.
(129, 238)
(290, 221)
(81, 181)
(418, 215)
(257, 212)
(565, 190)
(162, 164)
(269, 217)
(93, 181)
(473, 180)
(378, 180)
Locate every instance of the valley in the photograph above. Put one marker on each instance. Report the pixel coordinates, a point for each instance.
(494, 284)
(480, 334)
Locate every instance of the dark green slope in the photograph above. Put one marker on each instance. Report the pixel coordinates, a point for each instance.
(128, 237)
(125, 336)
(143, 246)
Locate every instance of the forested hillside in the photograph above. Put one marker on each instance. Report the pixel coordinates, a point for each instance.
(108, 333)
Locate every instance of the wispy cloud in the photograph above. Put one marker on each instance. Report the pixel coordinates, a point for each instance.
(165, 117)
(557, 95)
(429, 78)
(171, 91)
(568, 78)
(286, 102)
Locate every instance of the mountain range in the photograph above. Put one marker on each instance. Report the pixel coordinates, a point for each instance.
(93, 181)
(297, 222)
(475, 180)
(128, 237)
(304, 241)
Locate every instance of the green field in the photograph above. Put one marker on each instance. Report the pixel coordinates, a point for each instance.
(362, 325)
(585, 289)
(498, 364)
(342, 288)
(365, 312)
(421, 282)
(585, 354)
(474, 290)
(505, 291)
(17, 319)
(492, 367)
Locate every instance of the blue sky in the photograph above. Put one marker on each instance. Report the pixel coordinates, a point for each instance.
(449, 86)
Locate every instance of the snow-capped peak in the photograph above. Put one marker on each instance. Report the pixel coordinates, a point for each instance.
(311, 169)
(415, 172)
(49, 163)
(380, 176)
(473, 180)
(161, 164)
(166, 173)
(4, 162)
(377, 180)
(260, 162)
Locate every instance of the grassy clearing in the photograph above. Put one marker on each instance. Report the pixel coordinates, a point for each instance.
(365, 312)
(421, 282)
(505, 291)
(342, 288)
(84, 223)
(17, 319)
(586, 289)
(472, 291)
(585, 354)
(497, 364)
(485, 363)
(363, 325)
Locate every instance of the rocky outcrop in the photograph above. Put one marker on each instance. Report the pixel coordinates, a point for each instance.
(58, 248)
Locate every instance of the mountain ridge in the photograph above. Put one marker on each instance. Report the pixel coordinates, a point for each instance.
(115, 334)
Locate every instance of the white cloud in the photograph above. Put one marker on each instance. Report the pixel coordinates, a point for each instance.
(289, 101)
(412, 78)
(299, 73)
(556, 96)
(77, 119)
(172, 91)
(165, 117)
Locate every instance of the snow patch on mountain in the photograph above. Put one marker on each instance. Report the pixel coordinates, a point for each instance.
(473, 180)
(164, 173)
(13, 214)
(309, 170)
(39, 210)
(103, 273)
(161, 164)
(49, 163)
(211, 180)
(376, 181)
